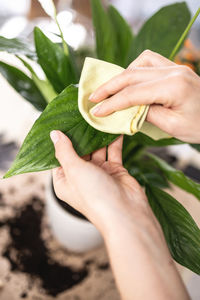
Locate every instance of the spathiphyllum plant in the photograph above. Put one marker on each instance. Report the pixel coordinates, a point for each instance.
(56, 98)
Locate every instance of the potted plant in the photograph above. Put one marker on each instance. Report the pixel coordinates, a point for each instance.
(116, 43)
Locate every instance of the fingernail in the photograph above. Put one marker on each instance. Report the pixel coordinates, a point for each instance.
(95, 109)
(54, 136)
(92, 96)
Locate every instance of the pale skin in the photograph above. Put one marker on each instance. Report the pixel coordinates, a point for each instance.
(110, 198)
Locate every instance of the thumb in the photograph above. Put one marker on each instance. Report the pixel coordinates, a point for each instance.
(164, 118)
(64, 151)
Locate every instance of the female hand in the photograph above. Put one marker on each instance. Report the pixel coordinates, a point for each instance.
(100, 189)
(173, 91)
(113, 200)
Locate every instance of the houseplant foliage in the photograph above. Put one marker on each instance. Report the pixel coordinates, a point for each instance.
(56, 97)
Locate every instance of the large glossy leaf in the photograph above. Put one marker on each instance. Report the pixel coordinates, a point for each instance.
(124, 36)
(177, 177)
(37, 151)
(105, 34)
(180, 230)
(55, 63)
(162, 31)
(24, 85)
(17, 46)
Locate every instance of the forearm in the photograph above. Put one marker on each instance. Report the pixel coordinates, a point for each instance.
(142, 265)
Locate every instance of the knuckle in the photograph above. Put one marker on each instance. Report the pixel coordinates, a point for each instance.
(185, 70)
(128, 73)
(127, 94)
(147, 53)
(180, 83)
(111, 85)
(171, 126)
(146, 57)
(106, 89)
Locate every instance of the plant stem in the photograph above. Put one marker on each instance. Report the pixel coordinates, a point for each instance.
(183, 36)
(65, 47)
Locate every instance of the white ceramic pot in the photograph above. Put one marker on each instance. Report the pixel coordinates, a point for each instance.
(74, 233)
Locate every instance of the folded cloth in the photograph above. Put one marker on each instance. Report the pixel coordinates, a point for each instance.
(127, 121)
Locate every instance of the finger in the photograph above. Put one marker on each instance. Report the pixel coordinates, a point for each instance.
(160, 91)
(146, 59)
(64, 151)
(131, 77)
(99, 156)
(115, 151)
(150, 58)
(164, 118)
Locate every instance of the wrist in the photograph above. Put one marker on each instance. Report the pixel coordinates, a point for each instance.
(135, 219)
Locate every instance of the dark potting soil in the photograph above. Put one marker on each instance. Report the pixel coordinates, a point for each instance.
(28, 253)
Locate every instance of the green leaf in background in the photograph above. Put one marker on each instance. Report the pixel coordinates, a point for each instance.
(145, 174)
(37, 151)
(177, 177)
(24, 85)
(162, 31)
(17, 46)
(124, 36)
(181, 232)
(138, 166)
(105, 33)
(55, 64)
(145, 140)
(44, 86)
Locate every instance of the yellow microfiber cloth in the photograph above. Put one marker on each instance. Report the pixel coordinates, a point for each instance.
(127, 121)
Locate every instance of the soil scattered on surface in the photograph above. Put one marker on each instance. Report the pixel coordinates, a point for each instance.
(28, 253)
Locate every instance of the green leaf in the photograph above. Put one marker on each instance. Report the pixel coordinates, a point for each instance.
(24, 85)
(55, 64)
(180, 230)
(124, 36)
(44, 86)
(17, 46)
(105, 33)
(145, 140)
(162, 31)
(37, 151)
(177, 177)
(131, 149)
(144, 175)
